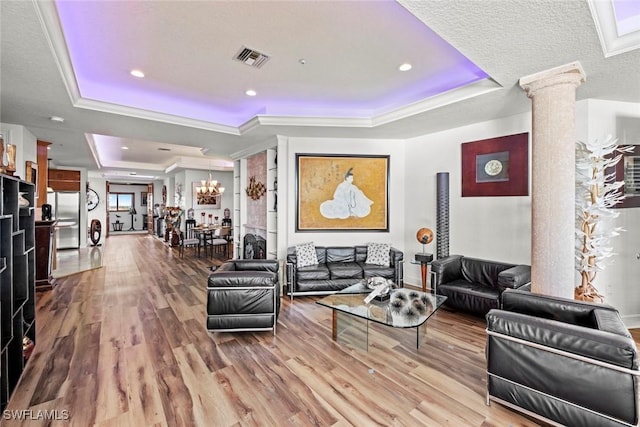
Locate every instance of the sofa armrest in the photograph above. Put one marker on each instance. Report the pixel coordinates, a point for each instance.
(610, 321)
(256, 265)
(397, 262)
(445, 270)
(290, 275)
(588, 343)
(396, 256)
(514, 277)
(551, 307)
(242, 279)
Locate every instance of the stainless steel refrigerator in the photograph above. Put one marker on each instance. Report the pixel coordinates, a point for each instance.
(66, 210)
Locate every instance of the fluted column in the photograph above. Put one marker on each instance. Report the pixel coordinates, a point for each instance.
(553, 95)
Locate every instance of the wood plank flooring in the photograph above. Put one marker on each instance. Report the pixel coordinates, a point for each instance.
(126, 345)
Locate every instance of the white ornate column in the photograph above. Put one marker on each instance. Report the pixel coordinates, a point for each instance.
(553, 95)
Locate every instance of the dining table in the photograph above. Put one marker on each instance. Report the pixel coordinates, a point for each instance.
(205, 233)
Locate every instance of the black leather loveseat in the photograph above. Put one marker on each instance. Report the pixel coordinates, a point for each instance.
(567, 362)
(339, 267)
(243, 295)
(474, 285)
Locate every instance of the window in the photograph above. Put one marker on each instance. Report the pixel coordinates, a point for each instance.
(120, 202)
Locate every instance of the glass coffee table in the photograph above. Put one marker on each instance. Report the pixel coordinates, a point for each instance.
(405, 308)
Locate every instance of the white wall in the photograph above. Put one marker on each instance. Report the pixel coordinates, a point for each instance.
(287, 195)
(619, 280)
(497, 228)
(99, 185)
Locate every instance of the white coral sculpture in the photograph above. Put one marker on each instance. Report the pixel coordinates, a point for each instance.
(597, 192)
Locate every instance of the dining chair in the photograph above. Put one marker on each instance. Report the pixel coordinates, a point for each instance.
(219, 240)
(190, 238)
(188, 243)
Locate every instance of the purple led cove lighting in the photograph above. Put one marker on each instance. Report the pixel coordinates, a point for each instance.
(102, 58)
(627, 14)
(626, 8)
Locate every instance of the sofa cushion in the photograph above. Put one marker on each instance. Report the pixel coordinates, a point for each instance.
(481, 271)
(324, 286)
(470, 296)
(338, 254)
(345, 270)
(371, 270)
(313, 272)
(306, 254)
(378, 254)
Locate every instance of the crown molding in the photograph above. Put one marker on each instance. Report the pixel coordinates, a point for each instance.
(271, 142)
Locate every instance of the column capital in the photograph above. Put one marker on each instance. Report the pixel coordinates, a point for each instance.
(571, 74)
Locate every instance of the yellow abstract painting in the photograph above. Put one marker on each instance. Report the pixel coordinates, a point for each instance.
(342, 192)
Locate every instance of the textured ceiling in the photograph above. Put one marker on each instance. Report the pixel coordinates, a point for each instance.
(507, 39)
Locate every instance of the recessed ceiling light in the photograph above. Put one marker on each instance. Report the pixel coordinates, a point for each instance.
(48, 147)
(302, 61)
(137, 73)
(124, 147)
(133, 173)
(405, 67)
(56, 119)
(251, 92)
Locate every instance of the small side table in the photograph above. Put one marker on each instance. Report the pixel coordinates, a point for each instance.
(424, 260)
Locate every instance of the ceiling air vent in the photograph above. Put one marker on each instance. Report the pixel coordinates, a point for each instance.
(251, 57)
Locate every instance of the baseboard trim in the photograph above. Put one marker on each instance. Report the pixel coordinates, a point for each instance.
(631, 321)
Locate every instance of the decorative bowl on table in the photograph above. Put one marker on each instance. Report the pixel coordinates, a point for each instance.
(374, 282)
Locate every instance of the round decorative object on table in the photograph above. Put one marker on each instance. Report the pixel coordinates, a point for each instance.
(22, 201)
(375, 282)
(424, 236)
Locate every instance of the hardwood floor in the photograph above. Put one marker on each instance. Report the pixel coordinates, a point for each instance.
(126, 345)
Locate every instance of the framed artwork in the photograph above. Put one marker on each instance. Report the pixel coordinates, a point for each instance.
(336, 192)
(205, 200)
(31, 174)
(143, 198)
(496, 166)
(628, 170)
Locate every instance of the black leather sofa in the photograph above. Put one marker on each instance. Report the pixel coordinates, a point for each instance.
(243, 295)
(339, 267)
(564, 361)
(474, 285)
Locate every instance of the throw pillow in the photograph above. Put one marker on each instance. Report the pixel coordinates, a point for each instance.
(378, 254)
(306, 254)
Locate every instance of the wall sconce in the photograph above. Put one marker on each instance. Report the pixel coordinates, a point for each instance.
(256, 189)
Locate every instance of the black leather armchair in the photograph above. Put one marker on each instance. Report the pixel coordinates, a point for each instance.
(563, 361)
(475, 285)
(243, 295)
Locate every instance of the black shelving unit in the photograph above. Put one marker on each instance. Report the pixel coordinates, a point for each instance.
(17, 281)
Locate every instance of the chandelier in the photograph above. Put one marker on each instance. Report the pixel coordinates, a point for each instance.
(209, 191)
